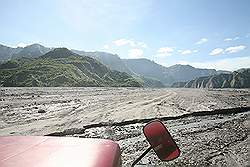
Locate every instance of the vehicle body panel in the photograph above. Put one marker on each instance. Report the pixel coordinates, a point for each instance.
(44, 151)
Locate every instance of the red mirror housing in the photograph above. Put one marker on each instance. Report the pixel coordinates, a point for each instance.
(161, 140)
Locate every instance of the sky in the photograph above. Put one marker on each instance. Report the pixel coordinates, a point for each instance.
(201, 33)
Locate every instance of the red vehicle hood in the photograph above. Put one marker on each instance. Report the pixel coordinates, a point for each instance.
(43, 151)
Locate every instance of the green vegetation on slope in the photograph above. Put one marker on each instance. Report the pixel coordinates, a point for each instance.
(149, 82)
(149, 73)
(61, 67)
(114, 62)
(237, 79)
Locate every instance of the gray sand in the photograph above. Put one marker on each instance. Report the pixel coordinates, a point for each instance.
(217, 139)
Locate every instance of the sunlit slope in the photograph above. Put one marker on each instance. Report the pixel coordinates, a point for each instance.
(237, 79)
(62, 67)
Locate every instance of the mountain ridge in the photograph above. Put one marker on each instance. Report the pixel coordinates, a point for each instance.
(150, 73)
(167, 75)
(32, 51)
(237, 79)
(61, 67)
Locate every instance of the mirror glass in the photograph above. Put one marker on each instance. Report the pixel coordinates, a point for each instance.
(161, 140)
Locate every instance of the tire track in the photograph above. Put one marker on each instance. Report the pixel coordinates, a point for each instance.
(226, 111)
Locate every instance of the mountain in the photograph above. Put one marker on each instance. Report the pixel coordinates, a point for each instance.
(149, 82)
(32, 51)
(148, 72)
(178, 84)
(237, 79)
(59, 53)
(147, 68)
(223, 72)
(187, 72)
(167, 75)
(114, 62)
(61, 67)
(7, 52)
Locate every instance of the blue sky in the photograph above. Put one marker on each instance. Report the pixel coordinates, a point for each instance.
(202, 33)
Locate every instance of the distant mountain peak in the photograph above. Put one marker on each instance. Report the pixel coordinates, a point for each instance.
(63, 49)
(34, 45)
(59, 53)
(72, 70)
(143, 59)
(31, 51)
(181, 66)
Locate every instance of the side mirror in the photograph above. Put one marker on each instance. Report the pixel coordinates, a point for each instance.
(161, 141)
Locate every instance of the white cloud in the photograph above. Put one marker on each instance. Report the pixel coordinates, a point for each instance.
(230, 64)
(201, 41)
(121, 42)
(229, 50)
(22, 45)
(228, 39)
(106, 47)
(186, 52)
(164, 51)
(142, 44)
(135, 53)
(129, 42)
(235, 49)
(216, 51)
(231, 39)
(236, 38)
(135, 48)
